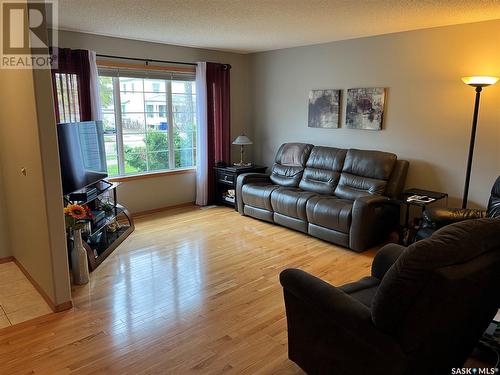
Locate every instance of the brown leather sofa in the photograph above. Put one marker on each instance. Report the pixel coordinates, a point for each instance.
(338, 195)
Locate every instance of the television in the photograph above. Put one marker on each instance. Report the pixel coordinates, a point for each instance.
(82, 154)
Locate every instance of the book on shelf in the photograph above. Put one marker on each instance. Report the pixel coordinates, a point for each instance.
(228, 198)
(229, 195)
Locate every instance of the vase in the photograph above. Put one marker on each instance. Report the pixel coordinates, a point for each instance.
(79, 262)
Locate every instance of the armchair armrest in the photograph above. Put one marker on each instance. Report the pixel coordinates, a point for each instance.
(246, 178)
(326, 298)
(437, 217)
(385, 258)
(373, 218)
(329, 331)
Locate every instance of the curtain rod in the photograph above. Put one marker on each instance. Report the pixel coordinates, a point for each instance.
(145, 60)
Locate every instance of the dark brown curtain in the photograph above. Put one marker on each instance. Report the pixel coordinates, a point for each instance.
(71, 85)
(218, 120)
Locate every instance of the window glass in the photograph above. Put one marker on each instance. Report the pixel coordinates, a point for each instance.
(139, 139)
(67, 97)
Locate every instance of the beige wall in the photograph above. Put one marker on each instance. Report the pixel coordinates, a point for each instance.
(52, 183)
(32, 224)
(429, 110)
(31, 203)
(158, 192)
(178, 188)
(4, 231)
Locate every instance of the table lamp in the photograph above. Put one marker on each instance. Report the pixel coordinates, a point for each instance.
(242, 140)
(478, 82)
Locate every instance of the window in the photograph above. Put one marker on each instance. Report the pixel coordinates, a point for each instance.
(162, 110)
(67, 97)
(149, 121)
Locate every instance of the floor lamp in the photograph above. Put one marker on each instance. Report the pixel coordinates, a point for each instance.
(478, 82)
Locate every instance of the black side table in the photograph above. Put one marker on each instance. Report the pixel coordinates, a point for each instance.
(225, 182)
(408, 232)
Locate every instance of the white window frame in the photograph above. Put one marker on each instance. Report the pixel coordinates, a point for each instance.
(120, 150)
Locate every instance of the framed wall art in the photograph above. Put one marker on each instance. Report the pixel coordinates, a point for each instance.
(365, 108)
(324, 109)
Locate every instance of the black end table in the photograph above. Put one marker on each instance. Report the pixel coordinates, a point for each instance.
(225, 182)
(408, 233)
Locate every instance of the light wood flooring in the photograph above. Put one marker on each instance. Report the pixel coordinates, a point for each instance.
(190, 291)
(19, 300)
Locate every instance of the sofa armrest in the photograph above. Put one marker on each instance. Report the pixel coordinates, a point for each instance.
(246, 178)
(385, 258)
(329, 331)
(438, 217)
(373, 218)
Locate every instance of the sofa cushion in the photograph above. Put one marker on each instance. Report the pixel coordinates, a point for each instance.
(291, 202)
(353, 187)
(365, 172)
(322, 171)
(258, 194)
(289, 164)
(330, 212)
(369, 163)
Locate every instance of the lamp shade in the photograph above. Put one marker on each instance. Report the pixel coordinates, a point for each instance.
(479, 81)
(242, 140)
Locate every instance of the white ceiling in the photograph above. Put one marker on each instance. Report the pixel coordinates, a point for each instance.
(259, 25)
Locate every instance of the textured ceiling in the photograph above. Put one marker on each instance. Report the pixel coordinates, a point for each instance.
(259, 25)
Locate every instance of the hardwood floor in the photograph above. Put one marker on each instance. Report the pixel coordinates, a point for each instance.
(190, 291)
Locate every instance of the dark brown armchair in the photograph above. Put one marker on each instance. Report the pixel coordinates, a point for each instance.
(421, 311)
(438, 217)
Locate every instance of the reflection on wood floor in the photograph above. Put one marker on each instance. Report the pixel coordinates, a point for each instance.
(189, 291)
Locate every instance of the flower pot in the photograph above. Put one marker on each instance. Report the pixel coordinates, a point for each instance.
(79, 262)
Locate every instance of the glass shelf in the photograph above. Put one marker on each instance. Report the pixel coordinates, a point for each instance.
(102, 187)
(106, 220)
(106, 239)
(99, 240)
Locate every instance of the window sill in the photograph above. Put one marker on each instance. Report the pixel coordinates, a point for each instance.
(144, 176)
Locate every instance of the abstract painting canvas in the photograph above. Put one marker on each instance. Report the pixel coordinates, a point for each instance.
(365, 108)
(324, 109)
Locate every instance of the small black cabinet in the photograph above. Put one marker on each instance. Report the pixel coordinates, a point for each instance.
(225, 182)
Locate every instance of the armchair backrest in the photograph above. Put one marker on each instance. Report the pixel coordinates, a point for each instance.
(494, 203)
(442, 292)
(365, 172)
(289, 164)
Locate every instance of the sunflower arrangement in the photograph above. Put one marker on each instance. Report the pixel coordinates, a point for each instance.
(76, 215)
